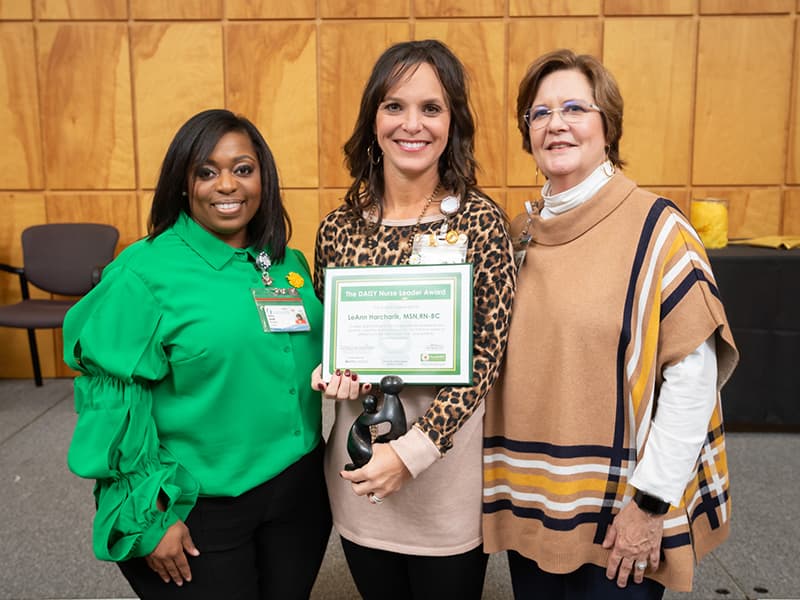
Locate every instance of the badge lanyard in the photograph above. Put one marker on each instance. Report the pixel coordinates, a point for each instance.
(280, 309)
(523, 241)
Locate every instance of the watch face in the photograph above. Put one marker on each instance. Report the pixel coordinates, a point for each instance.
(449, 205)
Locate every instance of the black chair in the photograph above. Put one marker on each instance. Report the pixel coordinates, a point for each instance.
(60, 258)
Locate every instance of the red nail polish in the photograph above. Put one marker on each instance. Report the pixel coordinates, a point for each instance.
(338, 372)
(347, 373)
(321, 387)
(354, 376)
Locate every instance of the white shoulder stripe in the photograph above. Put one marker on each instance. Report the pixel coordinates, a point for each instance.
(689, 257)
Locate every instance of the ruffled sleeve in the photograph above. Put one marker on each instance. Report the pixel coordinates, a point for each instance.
(111, 337)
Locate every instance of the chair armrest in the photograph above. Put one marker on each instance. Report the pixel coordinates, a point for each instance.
(23, 281)
(12, 269)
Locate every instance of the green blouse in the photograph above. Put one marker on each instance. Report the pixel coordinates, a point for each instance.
(181, 390)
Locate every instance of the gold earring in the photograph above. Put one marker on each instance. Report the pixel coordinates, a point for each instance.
(537, 176)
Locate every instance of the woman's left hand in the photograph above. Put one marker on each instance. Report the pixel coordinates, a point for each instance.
(344, 385)
(382, 476)
(634, 537)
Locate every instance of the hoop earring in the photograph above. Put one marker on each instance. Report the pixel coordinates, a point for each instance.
(372, 160)
(608, 165)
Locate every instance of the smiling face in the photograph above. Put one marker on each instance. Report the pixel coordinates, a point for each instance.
(412, 125)
(225, 190)
(567, 152)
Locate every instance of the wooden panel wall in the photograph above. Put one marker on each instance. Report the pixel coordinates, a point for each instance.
(93, 90)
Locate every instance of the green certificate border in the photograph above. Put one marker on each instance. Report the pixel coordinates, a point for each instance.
(382, 293)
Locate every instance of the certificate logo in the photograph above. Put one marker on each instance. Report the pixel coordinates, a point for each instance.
(428, 357)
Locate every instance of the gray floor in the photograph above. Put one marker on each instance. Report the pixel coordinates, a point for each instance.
(45, 550)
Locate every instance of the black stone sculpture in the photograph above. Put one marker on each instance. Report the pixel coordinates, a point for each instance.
(390, 410)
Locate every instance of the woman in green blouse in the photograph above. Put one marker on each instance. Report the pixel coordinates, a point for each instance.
(194, 416)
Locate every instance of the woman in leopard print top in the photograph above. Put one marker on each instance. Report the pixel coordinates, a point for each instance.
(412, 147)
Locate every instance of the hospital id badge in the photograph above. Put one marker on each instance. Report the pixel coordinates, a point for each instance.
(439, 248)
(281, 310)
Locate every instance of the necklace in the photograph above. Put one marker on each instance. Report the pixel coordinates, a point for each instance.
(405, 256)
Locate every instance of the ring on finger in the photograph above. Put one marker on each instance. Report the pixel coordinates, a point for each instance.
(641, 565)
(374, 498)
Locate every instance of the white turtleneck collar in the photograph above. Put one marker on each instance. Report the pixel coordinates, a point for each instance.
(562, 202)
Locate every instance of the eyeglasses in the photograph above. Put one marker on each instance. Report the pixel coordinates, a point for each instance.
(572, 111)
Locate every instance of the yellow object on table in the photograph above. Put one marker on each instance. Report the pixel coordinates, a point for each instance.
(709, 216)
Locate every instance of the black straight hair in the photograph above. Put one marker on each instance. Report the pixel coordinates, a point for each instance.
(269, 228)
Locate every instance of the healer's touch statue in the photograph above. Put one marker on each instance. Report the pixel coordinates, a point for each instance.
(390, 410)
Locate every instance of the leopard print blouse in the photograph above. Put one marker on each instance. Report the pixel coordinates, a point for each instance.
(343, 241)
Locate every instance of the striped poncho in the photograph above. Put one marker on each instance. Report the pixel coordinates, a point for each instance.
(609, 294)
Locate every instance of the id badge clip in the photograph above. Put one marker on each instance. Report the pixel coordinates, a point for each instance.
(439, 248)
(522, 242)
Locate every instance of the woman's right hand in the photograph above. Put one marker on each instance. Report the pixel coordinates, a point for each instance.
(169, 557)
(343, 385)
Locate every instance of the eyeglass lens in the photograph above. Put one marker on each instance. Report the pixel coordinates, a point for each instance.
(572, 111)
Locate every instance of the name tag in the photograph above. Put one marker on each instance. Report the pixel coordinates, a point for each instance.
(281, 310)
(439, 248)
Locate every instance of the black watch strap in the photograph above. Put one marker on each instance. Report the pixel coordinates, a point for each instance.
(650, 504)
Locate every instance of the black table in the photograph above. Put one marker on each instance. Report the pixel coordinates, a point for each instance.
(760, 288)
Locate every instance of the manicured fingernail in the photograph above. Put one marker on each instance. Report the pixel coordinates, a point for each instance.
(354, 376)
(347, 372)
(321, 387)
(338, 372)
(367, 387)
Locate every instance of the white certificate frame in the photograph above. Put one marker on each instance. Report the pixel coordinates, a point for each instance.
(414, 321)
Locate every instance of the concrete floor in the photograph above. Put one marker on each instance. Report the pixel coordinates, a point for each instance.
(45, 516)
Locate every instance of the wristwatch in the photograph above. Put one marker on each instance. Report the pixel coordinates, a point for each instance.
(650, 504)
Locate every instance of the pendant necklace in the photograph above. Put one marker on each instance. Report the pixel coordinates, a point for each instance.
(406, 256)
(263, 263)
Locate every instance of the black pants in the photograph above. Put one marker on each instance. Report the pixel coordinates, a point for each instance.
(587, 583)
(267, 543)
(382, 575)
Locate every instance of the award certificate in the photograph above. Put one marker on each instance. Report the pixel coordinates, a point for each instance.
(412, 321)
